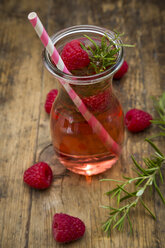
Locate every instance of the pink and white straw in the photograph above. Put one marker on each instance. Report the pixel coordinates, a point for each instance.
(91, 119)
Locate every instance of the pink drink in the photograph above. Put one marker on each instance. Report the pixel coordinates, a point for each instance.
(75, 143)
(77, 147)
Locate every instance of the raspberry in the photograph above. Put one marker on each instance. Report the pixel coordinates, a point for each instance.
(74, 56)
(137, 120)
(97, 102)
(67, 228)
(123, 69)
(50, 99)
(38, 176)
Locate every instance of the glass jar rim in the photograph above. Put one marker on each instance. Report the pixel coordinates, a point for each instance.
(78, 80)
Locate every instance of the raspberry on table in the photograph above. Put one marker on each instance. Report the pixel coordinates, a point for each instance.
(67, 228)
(123, 69)
(38, 176)
(137, 120)
(74, 56)
(50, 99)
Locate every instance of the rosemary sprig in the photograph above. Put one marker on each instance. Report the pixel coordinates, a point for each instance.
(146, 177)
(104, 55)
(160, 121)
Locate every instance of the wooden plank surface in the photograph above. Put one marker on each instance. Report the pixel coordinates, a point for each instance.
(26, 214)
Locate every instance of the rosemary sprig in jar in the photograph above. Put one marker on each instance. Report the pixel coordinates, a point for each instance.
(104, 55)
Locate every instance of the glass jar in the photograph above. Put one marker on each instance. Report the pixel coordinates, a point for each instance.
(76, 144)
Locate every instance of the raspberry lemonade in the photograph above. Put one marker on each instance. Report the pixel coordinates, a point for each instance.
(92, 55)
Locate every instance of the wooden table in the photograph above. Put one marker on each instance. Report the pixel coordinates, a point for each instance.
(26, 214)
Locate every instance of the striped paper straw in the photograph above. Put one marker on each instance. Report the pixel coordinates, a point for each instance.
(91, 119)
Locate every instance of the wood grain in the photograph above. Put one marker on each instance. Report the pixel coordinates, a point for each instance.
(26, 214)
